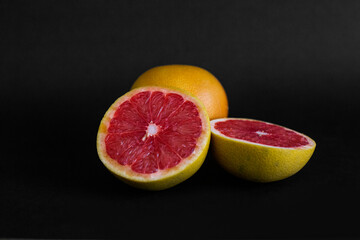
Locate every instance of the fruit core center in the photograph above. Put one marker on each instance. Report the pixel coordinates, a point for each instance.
(260, 133)
(152, 129)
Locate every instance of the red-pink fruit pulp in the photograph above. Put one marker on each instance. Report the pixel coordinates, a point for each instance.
(261, 132)
(152, 131)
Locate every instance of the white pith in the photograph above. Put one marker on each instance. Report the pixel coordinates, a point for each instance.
(152, 130)
(260, 133)
(217, 132)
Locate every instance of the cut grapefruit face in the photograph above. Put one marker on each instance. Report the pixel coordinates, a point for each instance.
(259, 151)
(154, 138)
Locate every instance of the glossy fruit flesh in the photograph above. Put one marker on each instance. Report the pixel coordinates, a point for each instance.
(153, 131)
(261, 132)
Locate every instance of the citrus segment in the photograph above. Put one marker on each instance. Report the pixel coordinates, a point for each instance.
(152, 135)
(259, 151)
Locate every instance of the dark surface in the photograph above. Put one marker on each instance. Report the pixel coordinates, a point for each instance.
(294, 63)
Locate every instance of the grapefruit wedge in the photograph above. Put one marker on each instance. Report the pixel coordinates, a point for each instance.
(259, 151)
(154, 138)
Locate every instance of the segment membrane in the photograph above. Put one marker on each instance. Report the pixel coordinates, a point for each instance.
(126, 119)
(141, 103)
(157, 102)
(171, 103)
(119, 143)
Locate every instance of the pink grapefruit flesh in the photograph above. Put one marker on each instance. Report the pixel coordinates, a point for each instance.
(152, 131)
(261, 132)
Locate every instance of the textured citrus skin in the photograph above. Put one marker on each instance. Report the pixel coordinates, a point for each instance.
(257, 162)
(163, 179)
(198, 81)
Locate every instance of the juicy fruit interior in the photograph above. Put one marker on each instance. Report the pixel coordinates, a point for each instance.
(261, 132)
(153, 131)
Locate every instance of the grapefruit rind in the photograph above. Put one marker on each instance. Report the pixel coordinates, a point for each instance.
(165, 178)
(258, 162)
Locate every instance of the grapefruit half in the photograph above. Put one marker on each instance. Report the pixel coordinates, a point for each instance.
(259, 151)
(154, 138)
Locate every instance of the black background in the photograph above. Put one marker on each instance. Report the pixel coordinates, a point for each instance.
(294, 63)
